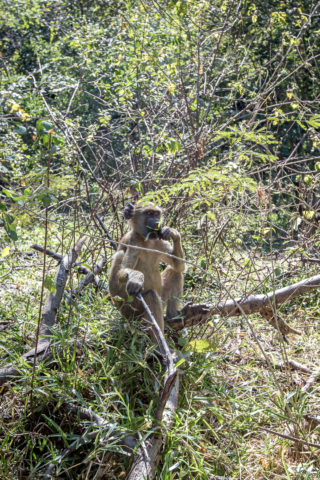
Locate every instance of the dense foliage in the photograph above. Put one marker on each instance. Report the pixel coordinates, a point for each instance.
(209, 108)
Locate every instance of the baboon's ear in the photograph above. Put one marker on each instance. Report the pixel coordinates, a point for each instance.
(128, 211)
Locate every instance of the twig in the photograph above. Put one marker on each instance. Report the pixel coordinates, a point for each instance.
(289, 437)
(284, 365)
(112, 243)
(218, 477)
(7, 273)
(311, 260)
(298, 366)
(50, 253)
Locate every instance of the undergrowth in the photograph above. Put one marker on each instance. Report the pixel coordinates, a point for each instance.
(100, 361)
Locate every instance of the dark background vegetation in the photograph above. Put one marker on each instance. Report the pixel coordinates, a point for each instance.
(210, 109)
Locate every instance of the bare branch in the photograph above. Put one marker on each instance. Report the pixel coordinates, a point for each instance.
(148, 455)
(261, 303)
(49, 317)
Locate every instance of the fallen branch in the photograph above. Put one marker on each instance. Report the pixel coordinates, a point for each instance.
(218, 477)
(310, 260)
(298, 366)
(148, 454)
(49, 316)
(193, 314)
(314, 377)
(283, 366)
(59, 257)
(91, 276)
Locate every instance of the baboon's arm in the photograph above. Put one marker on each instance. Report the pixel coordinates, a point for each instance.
(174, 249)
(127, 273)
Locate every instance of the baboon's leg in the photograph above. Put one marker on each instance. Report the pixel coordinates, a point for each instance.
(135, 309)
(116, 288)
(172, 286)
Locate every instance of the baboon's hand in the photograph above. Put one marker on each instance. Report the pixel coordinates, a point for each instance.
(135, 283)
(167, 233)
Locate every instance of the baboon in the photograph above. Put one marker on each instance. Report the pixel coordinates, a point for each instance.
(133, 270)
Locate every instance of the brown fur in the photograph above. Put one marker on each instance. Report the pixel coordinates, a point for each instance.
(133, 271)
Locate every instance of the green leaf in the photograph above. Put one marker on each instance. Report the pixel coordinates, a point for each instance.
(8, 218)
(46, 125)
(43, 126)
(39, 126)
(180, 362)
(5, 252)
(309, 214)
(45, 139)
(49, 284)
(201, 346)
(173, 146)
(8, 193)
(12, 233)
(277, 272)
(11, 194)
(46, 199)
(20, 130)
(314, 121)
(118, 299)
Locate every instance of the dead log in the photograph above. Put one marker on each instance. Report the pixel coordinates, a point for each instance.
(91, 276)
(194, 314)
(48, 319)
(148, 454)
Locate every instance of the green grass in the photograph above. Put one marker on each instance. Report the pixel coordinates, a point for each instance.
(108, 364)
